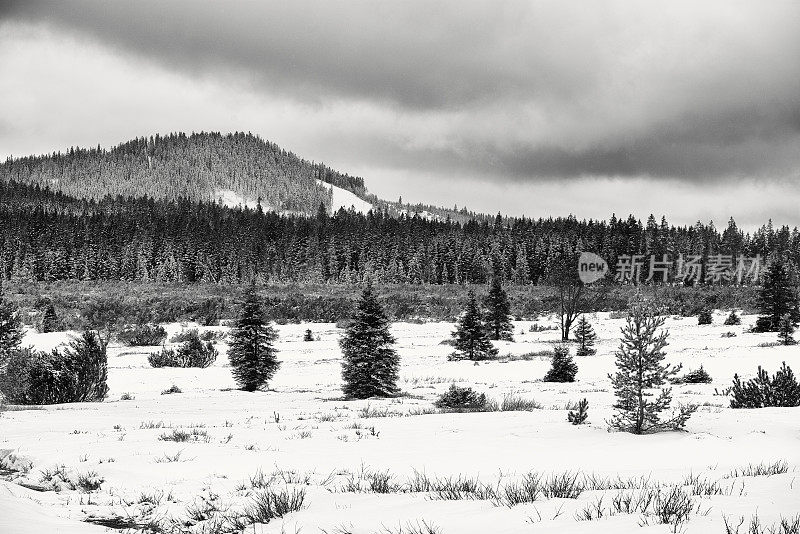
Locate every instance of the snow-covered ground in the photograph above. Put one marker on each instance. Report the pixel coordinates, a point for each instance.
(342, 198)
(306, 438)
(232, 199)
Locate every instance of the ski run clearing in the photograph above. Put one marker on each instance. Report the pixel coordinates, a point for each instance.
(393, 465)
(342, 198)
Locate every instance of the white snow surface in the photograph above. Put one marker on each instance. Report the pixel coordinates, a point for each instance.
(304, 433)
(342, 198)
(232, 199)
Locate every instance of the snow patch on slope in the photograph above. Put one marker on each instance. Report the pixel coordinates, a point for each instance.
(232, 199)
(342, 198)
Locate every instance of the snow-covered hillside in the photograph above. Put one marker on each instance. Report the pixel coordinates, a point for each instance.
(342, 198)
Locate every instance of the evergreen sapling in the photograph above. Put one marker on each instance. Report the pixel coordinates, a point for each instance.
(585, 336)
(10, 329)
(785, 330)
(777, 298)
(49, 319)
(498, 323)
(640, 370)
(580, 414)
(563, 367)
(370, 364)
(251, 351)
(469, 338)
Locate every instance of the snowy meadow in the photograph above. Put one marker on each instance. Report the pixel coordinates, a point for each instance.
(183, 450)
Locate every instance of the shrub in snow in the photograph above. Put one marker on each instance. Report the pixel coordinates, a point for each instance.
(639, 370)
(191, 353)
(733, 319)
(76, 374)
(585, 336)
(208, 311)
(698, 376)
(308, 336)
(60, 478)
(785, 330)
(142, 335)
(563, 368)
(463, 399)
(704, 317)
(762, 392)
(369, 362)
(251, 352)
(516, 403)
(184, 335)
(580, 414)
(470, 338)
(172, 389)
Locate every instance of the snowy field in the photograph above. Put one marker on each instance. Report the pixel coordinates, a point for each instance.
(392, 465)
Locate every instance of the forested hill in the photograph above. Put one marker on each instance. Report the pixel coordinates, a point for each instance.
(50, 236)
(200, 166)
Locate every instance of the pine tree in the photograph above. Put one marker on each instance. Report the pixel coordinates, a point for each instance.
(563, 368)
(785, 330)
(733, 319)
(49, 319)
(251, 350)
(778, 297)
(639, 370)
(585, 336)
(580, 414)
(10, 329)
(88, 361)
(497, 316)
(370, 364)
(471, 341)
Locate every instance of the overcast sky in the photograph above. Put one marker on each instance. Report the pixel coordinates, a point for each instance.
(687, 109)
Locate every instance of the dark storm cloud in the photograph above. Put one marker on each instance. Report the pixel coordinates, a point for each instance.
(513, 90)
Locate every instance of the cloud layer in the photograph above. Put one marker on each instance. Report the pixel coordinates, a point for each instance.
(503, 92)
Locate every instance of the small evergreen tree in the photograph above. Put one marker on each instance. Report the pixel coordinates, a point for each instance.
(785, 330)
(585, 336)
(580, 414)
(462, 399)
(733, 319)
(698, 376)
(563, 368)
(704, 317)
(308, 336)
(370, 364)
(470, 339)
(50, 321)
(251, 352)
(10, 329)
(498, 323)
(640, 370)
(777, 298)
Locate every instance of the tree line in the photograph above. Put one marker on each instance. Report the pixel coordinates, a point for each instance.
(47, 235)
